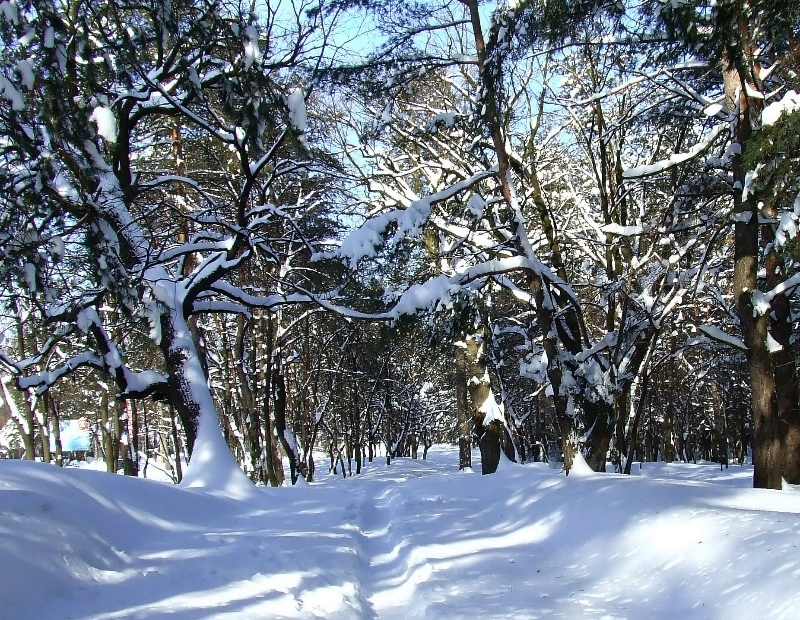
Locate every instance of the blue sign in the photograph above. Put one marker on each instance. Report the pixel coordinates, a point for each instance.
(75, 436)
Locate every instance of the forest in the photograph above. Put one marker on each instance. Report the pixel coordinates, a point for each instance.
(348, 230)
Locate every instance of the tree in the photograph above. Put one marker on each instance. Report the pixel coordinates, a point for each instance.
(89, 90)
(753, 43)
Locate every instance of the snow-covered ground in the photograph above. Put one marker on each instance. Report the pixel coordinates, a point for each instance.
(416, 539)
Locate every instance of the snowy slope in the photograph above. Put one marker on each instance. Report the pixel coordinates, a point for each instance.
(413, 540)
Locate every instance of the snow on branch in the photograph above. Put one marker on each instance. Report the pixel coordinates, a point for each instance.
(43, 381)
(249, 300)
(439, 290)
(676, 159)
(363, 241)
(717, 335)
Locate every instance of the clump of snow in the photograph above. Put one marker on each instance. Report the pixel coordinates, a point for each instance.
(475, 205)
(623, 231)
(715, 333)
(773, 112)
(9, 12)
(773, 346)
(446, 119)
(676, 159)
(423, 296)
(25, 70)
(106, 123)
(787, 229)
(55, 247)
(49, 37)
(29, 273)
(761, 303)
(9, 92)
(580, 468)
(298, 115)
(252, 53)
(492, 410)
(713, 109)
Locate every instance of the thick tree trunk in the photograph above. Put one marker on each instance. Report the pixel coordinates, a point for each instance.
(23, 421)
(546, 306)
(599, 418)
(783, 361)
(487, 415)
(211, 464)
(767, 455)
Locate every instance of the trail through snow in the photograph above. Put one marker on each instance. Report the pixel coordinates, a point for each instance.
(416, 539)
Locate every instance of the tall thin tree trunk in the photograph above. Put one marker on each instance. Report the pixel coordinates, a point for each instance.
(176, 444)
(462, 407)
(633, 433)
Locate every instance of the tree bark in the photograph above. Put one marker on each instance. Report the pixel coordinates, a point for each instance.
(487, 415)
(634, 430)
(767, 454)
(783, 361)
(599, 418)
(462, 406)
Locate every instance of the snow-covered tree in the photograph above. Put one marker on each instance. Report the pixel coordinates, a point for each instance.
(93, 95)
(753, 45)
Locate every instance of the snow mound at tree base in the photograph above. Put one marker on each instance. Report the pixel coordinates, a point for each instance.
(213, 469)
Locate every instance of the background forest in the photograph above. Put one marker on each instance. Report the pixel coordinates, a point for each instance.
(361, 227)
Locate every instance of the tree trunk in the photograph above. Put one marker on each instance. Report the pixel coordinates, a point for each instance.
(634, 430)
(106, 432)
(211, 463)
(767, 456)
(599, 418)
(668, 445)
(780, 327)
(177, 445)
(462, 407)
(56, 419)
(487, 415)
(23, 421)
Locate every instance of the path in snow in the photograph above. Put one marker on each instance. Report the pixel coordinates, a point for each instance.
(416, 539)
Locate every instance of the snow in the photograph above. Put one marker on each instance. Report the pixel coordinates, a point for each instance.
(416, 539)
(106, 123)
(788, 104)
(212, 467)
(25, 70)
(623, 231)
(252, 53)
(297, 110)
(787, 229)
(8, 91)
(715, 333)
(298, 114)
(9, 12)
(676, 159)
(476, 205)
(773, 346)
